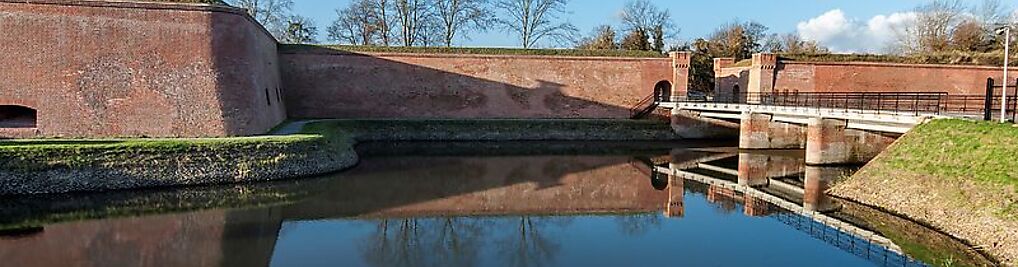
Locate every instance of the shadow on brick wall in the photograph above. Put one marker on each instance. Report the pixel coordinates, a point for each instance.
(326, 83)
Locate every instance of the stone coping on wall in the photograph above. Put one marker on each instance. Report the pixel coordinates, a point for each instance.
(176, 6)
(477, 56)
(895, 65)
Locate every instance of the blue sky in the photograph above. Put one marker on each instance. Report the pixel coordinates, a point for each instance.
(845, 30)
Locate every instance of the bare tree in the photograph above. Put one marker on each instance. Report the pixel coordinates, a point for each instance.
(357, 24)
(603, 38)
(383, 19)
(412, 16)
(300, 30)
(535, 20)
(642, 16)
(458, 17)
(793, 44)
(931, 30)
(273, 14)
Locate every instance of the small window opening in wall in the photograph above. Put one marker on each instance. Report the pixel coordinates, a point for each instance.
(12, 116)
(279, 96)
(268, 99)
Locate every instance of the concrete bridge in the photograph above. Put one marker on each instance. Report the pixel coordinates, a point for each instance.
(833, 128)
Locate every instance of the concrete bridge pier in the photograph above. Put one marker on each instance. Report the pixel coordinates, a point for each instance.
(753, 169)
(831, 142)
(817, 181)
(760, 131)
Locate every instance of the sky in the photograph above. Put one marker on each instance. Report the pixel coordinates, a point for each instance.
(860, 26)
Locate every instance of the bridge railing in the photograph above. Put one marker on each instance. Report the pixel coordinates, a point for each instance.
(937, 103)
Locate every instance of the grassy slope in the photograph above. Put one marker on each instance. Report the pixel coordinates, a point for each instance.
(958, 176)
(982, 152)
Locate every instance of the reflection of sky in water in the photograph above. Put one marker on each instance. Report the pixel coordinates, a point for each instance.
(706, 236)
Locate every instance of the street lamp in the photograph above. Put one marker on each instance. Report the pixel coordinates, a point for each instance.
(1006, 30)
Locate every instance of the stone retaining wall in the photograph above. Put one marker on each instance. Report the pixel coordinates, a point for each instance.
(112, 169)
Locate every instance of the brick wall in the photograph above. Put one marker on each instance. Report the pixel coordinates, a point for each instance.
(857, 77)
(871, 77)
(332, 84)
(99, 69)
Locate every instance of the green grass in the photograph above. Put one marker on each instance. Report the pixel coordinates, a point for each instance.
(300, 48)
(959, 149)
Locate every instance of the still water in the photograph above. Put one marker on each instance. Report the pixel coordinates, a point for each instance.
(484, 204)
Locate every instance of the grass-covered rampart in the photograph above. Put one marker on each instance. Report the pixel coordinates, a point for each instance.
(955, 175)
(302, 48)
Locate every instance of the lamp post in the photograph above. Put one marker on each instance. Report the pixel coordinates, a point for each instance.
(1007, 55)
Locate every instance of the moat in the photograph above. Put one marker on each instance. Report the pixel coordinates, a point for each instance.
(482, 204)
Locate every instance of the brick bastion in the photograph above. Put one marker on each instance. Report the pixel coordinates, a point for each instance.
(102, 69)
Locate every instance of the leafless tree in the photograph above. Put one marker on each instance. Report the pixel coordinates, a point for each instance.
(273, 14)
(412, 16)
(793, 44)
(383, 19)
(357, 24)
(642, 16)
(931, 30)
(300, 30)
(458, 17)
(603, 38)
(535, 20)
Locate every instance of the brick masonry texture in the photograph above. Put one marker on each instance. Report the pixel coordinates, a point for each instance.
(100, 69)
(334, 84)
(857, 77)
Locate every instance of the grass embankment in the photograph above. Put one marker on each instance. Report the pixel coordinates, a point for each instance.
(957, 176)
(299, 48)
(946, 58)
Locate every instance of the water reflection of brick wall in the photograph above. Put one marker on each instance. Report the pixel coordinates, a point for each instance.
(493, 185)
(212, 238)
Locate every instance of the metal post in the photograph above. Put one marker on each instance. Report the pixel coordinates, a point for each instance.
(988, 101)
(1007, 56)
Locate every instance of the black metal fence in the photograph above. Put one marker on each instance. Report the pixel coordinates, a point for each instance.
(936, 103)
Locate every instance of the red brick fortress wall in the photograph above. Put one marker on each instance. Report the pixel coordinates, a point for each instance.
(884, 77)
(324, 83)
(100, 69)
(791, 76)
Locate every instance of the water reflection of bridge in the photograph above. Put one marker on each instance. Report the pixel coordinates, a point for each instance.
(762, 182)
(402, 188)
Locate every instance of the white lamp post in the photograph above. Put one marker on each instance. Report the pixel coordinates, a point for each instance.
(1007, 56)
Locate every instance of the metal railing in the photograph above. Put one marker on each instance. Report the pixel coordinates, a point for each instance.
(644, 107)
(937, 103)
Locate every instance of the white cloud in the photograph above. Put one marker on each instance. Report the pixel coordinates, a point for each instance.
(846, 35)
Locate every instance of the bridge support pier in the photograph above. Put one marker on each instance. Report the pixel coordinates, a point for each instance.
(830, 142)
(688, 124)
(818, 180)
(676, 197)
(753, 169)
(760, 131)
